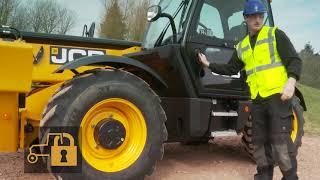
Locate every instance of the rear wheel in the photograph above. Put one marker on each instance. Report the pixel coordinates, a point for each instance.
(296, 134)
(121, 119)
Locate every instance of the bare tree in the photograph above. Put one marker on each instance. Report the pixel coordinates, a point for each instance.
(50, 13)
(7, 8)
(13, 13)
(19, 19)
(36, 16)
(66, 19)
(50, 17)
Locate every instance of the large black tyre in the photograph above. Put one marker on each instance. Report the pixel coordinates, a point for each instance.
(75, 97)
(298, 112)
(247, 137)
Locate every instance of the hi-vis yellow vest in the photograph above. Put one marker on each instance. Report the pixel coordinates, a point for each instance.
(266, 74)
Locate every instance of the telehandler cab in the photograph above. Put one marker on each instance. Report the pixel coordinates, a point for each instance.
(130, 98)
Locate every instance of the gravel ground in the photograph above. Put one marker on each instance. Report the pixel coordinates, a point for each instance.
(222, 159)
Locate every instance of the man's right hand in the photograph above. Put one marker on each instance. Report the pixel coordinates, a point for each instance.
(288, 90)
(203, 60)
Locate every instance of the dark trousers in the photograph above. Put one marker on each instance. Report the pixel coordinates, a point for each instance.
(272, 126)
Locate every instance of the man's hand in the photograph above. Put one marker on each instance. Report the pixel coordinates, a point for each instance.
(288, 89)
(203, 60)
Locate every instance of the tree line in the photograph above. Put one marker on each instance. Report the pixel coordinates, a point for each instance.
(124, 19)
(47, 16)
(121, 19)
(311, 66)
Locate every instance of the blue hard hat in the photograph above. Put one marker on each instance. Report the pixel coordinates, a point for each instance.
(254, 7)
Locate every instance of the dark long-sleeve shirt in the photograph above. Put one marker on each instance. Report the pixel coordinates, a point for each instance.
(287, 52)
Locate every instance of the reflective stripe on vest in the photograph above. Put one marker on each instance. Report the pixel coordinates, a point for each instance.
(261, 68)
(269, 40)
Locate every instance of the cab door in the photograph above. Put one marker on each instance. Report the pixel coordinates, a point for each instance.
(215, 30)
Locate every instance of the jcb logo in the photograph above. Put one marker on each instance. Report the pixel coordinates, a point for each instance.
(62, 55)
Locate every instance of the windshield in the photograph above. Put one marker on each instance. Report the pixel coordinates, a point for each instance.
(223, 23)
(216, 19)
(177, 9)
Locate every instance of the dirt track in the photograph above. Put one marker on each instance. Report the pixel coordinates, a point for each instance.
(223, 159)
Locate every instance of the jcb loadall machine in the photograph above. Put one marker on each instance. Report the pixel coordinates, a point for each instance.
(130, 99)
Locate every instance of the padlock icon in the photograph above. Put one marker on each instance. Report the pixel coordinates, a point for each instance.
(62, 155)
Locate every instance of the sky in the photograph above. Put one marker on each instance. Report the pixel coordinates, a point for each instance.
(86, 12)
(299, 19)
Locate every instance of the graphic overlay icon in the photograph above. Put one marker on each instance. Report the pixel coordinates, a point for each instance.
(61, 154)
(64, 155)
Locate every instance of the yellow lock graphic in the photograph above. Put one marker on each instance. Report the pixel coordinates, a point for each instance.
(62, 155)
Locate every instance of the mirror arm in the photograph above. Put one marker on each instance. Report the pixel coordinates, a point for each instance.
(174, 29)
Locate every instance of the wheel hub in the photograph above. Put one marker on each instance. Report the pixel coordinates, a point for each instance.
(110, 133)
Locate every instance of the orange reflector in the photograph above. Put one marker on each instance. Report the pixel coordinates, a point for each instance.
(246, 109)
(5, 116)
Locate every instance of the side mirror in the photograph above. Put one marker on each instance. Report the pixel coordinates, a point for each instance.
(153, 13)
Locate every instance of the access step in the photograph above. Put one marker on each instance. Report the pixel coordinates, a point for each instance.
(225, 114)
(227, 133)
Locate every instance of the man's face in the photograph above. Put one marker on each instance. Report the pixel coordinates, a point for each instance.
(254, 22)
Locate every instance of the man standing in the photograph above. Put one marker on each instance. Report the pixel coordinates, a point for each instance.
(272, 67)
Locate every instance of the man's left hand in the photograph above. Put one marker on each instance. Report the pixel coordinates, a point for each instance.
(288, 90)
(203, 60)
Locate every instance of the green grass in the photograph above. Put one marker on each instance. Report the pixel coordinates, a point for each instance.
(312, 116)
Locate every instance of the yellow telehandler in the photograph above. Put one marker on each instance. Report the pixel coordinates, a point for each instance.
(129, 98)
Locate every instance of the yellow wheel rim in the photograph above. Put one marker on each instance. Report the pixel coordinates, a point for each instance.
(295, 127)
(108, 160)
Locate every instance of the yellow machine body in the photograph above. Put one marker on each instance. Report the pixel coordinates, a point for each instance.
(15, 77)
(16, 66)
(23, 74)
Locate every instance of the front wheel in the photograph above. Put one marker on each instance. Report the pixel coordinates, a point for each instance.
(121, 120)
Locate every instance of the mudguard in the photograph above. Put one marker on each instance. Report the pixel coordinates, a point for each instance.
(301, 98)
(109, 60)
